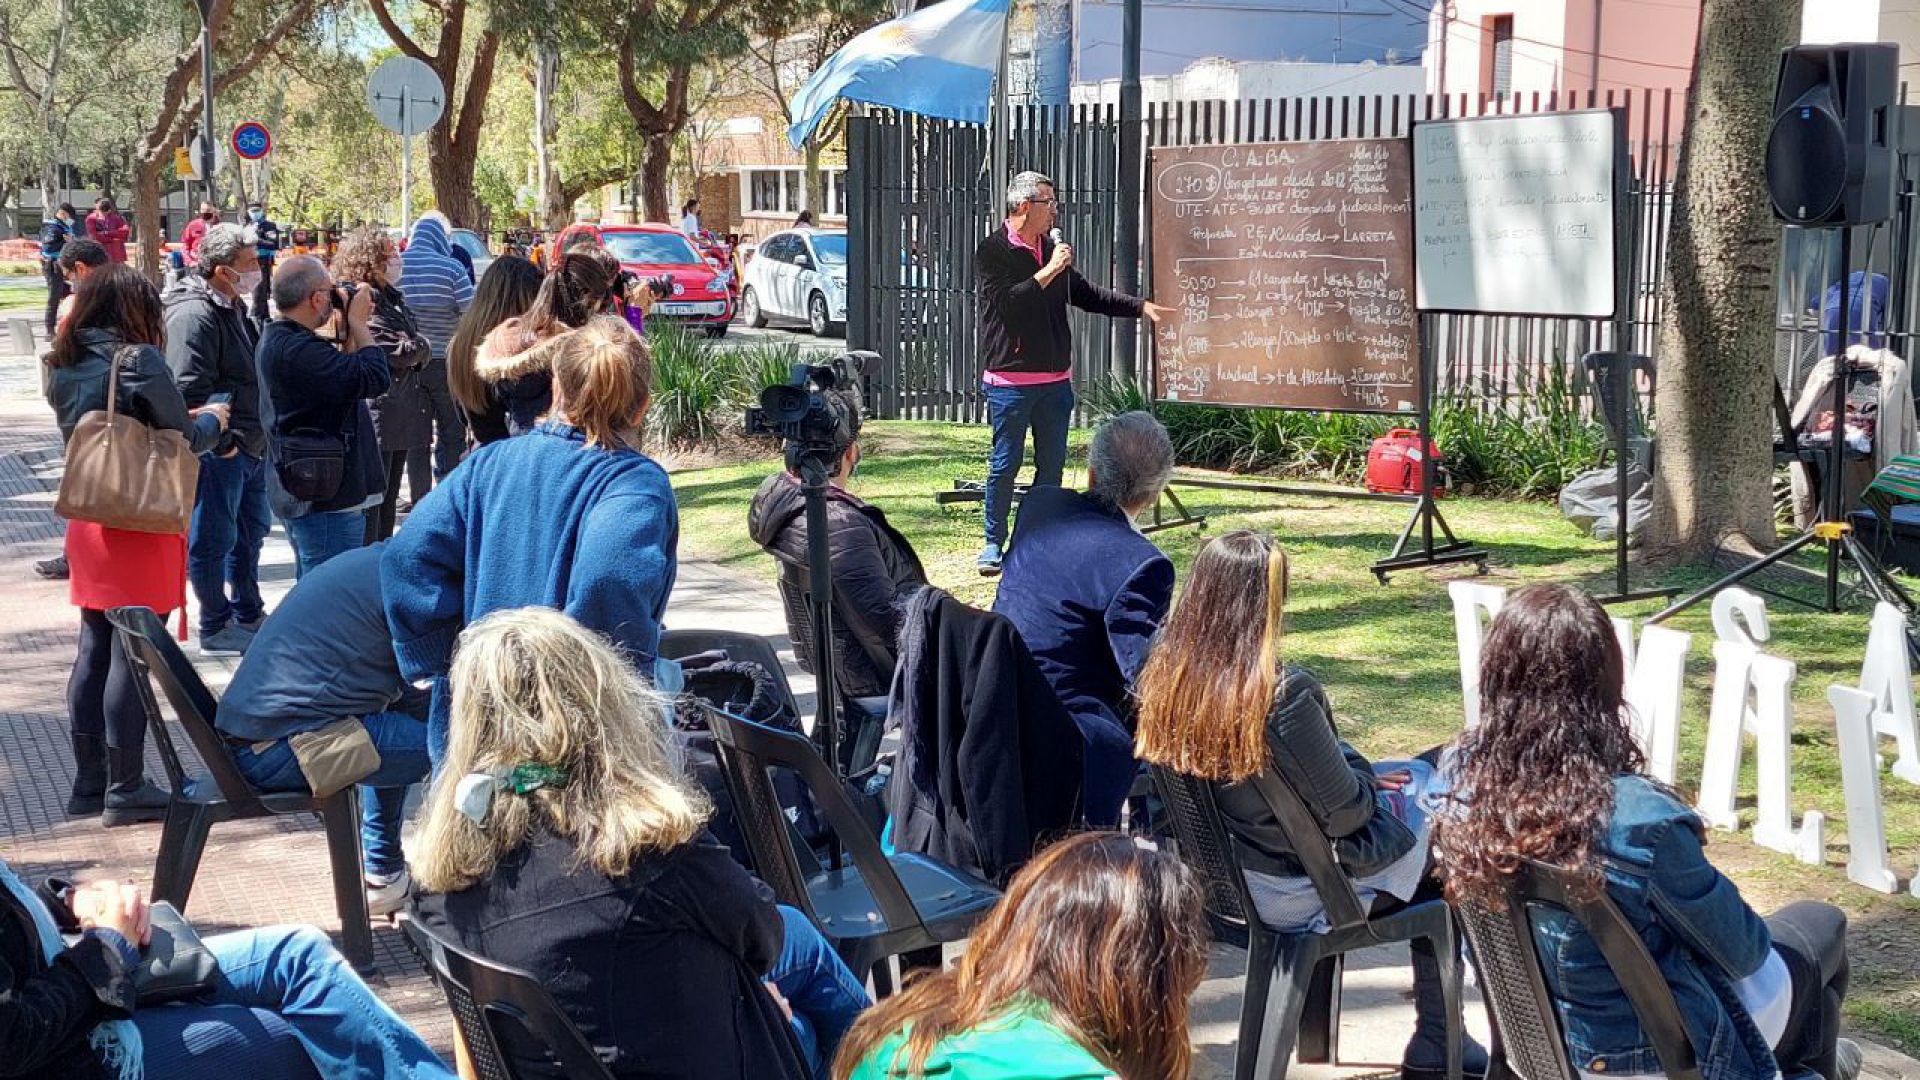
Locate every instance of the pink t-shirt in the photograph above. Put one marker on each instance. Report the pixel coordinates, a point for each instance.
(1025, 378)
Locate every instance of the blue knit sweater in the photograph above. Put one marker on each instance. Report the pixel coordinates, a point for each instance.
(538, 520)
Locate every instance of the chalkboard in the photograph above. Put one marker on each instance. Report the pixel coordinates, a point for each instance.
(1515, 215)
(1290, 269)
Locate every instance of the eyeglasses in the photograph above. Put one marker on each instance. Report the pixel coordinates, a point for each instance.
(1043, 202)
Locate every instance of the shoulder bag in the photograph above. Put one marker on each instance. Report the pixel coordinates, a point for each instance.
(126, 474)
(175, 963)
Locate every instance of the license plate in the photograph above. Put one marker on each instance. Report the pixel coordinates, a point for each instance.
(714, 308)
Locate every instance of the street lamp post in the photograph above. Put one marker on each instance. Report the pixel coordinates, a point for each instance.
(207, 136)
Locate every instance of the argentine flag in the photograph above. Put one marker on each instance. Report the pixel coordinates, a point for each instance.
(938, 61)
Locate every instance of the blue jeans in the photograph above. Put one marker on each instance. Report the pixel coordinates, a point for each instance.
(402, 742)
(230, 523)
(1011, 410)
(286, 1005)
(319, 537)
(826, 997)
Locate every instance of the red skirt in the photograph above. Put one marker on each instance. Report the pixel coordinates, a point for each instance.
(112, 568)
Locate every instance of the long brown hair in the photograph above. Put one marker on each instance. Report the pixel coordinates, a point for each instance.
(1109, 937)
(1534, 779)
(601, 379)
(117, 298)
(577, 289)
(504, 291)
(1207, 687)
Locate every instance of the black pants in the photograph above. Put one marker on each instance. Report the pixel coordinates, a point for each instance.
(262, 291)
(57, 290)
(101, 698)
(1812, 938)
(380, 519)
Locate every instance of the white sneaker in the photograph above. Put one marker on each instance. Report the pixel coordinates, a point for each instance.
(1847, 1060)
(387, 894)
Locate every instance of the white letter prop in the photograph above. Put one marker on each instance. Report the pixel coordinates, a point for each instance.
(1887, 675)
(1739, 668)
(1470, 598)
(1655, 674)
(1860, 776)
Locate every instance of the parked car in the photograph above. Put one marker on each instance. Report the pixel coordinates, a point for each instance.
(476, 248)
(799, 275)
(702, 293)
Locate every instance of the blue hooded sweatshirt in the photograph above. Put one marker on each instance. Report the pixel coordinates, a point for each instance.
(436, 288)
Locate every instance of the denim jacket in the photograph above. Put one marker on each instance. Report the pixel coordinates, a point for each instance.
(1701, 934)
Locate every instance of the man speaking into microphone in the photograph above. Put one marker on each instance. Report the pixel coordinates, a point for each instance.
(1026, 281)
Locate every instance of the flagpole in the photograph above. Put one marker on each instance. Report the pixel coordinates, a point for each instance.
(998, 129)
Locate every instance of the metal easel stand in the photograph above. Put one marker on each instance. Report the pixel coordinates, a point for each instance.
(973, 491)
(1426, 511)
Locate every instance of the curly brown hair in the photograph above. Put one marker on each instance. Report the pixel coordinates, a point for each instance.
(362, 255)
(1534, 779)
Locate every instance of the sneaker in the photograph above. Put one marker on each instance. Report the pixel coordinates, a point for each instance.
(230, 640)
(989, 561)
(253, 626)
(54, 569)
(1847, 1060)
(387, 893)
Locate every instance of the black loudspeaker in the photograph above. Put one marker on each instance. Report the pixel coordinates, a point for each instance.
(1830, 155)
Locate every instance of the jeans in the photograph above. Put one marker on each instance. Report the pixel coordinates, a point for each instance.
(1011, 410)
(826, 997)
(318, 537)
(285, 1005)
(230, 523)
(57, 290)
(449, 427)
(402, 742)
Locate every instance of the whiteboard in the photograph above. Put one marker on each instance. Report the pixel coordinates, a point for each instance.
(1515, 215)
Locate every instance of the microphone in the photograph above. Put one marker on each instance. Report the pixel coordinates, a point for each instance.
(1054, 235)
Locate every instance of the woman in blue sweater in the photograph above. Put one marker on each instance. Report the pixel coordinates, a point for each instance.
(570, 516)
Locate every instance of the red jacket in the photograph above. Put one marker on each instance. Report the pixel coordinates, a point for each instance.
(190, 238)
(110, 231)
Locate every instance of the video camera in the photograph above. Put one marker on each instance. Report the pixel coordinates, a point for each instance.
(797, 411)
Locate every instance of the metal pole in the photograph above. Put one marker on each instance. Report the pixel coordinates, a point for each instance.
(1126, 245)
(406, 161)
(208, 152)
(998, 130)
(1837, 440)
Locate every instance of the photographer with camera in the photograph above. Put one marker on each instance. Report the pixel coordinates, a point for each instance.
(873, 566)
(369, 261)
(325, 455)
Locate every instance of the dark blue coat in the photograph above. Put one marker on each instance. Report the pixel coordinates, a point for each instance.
(1087, 592)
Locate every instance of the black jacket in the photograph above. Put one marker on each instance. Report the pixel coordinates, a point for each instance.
(210, 347)
(402, 417)
(660, 969)
(874, 569)
(47, 1011)
(990, 763)
(146, 392)
(1024, 327)
(1332, 778)
(314, 388)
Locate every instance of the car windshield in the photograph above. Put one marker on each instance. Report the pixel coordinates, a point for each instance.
(472, 243)
(831, 248)
(651, 248)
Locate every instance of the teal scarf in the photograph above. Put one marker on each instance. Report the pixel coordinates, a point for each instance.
(116, 1041)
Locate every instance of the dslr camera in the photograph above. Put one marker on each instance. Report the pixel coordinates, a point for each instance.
(660, 286)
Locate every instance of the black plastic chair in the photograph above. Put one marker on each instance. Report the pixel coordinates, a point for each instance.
(196, 804)
(1304, 969)
(493, 1005)
(1613, 412)
(744, 648)
(1525, 1022)
(875, 906)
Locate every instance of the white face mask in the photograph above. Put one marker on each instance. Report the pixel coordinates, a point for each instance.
(249, 281)
(395, 268)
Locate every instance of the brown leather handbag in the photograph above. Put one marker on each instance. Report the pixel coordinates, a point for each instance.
(124, 474)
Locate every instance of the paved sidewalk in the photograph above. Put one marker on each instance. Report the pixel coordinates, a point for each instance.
(261, 873)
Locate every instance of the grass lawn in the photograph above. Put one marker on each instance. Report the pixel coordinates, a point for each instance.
(1387, 654)
(22, 296)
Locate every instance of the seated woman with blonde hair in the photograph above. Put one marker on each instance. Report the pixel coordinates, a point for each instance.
(563, 839)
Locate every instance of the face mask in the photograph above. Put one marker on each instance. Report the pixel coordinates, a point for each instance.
(249, 281)
(257, 215)
(208, 216)
(394, 269)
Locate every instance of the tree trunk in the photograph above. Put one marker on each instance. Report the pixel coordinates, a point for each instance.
(1714, 479)
(148, 231)
(816, 180)
(546, 129)
(450, 166)
(653, 177)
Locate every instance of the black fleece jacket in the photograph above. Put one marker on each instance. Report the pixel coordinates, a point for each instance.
(1023, 326)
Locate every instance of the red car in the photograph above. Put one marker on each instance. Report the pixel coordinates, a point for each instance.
(702, 292)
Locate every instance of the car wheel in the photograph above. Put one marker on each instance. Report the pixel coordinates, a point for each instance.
(750, 310)
(718, 330)
(817, 319)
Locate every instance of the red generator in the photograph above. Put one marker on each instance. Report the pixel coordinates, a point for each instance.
(1393, 464)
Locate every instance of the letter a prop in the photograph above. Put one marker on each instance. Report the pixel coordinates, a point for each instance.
(1860, 776)
(1469, 600)
(1887, 675)
(1656, 673)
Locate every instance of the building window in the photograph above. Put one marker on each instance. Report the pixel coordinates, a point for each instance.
(837, 193)
(1500, 70)
(796, 190)
(765, 184)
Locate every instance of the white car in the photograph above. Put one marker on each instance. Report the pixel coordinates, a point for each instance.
(798, 275)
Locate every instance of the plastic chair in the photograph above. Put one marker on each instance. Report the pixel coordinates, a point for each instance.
(1613, 412)
(196, 805)
(493, 1005)
(744, 648)
(1296, 976)
(875, 906)
(1526, 1023)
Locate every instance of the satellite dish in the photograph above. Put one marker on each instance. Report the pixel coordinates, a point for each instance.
(406, 96)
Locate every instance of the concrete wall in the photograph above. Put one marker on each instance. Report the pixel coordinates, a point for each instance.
(1225, 80)
(1555, 47)
(1175, 33)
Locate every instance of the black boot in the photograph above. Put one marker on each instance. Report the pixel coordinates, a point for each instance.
(89, 776)
(131, 798)
(1426, 1054)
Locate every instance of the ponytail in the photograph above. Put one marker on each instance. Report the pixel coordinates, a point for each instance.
(573, 290)
(600, 380)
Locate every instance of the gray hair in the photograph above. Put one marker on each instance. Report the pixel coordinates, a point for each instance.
(1025, 187)
(297, 278)
(222, 245)
(1130, 460)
